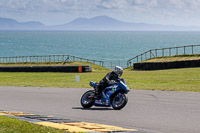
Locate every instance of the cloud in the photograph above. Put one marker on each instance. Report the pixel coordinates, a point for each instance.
(88, 5)
(130, 10)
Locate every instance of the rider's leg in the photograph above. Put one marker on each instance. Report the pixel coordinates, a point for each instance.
(99, 89)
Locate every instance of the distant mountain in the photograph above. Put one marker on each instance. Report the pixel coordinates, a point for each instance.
(96, 23)
(11, 24)
(107, 23)
(99, 23)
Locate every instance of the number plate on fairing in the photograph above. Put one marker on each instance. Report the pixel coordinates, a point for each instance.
(101, 102)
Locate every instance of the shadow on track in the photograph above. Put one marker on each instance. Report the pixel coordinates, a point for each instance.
(91, 108)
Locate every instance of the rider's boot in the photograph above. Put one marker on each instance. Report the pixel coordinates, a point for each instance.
(97, 94)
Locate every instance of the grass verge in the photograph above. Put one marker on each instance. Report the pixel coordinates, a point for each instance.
(12, 125)
(94, 66)
(174, 58)
(186, 79)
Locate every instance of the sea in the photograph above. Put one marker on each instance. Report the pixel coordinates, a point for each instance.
(113, 47)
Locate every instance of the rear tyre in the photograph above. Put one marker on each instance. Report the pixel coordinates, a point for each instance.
(87, 100)
(119, 101)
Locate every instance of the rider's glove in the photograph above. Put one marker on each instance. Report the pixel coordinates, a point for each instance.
(111, 82)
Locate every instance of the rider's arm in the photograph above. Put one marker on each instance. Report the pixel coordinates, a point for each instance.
(111, 78)
(107, 77)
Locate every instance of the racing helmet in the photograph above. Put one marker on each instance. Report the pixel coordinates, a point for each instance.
(118, 70)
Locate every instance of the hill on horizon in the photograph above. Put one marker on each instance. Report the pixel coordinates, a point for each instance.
(11, 24)
(98, 23)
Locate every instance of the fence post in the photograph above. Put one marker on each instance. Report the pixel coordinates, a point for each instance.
(54, 58)
(33, 59)
(49, 58)
(137, 58)
(150, 54)
(192, 49)
(163, 52)
(145, 55)
(176, 50)
(170, 51)
(156, 53)
(37, 59)
(184, 50)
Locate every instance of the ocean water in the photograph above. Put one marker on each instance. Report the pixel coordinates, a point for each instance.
(104, 45)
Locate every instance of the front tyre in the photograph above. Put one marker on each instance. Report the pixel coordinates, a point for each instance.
(87, 100)
(119, 101)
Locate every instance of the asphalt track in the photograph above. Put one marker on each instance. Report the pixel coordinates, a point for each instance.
(147, 111)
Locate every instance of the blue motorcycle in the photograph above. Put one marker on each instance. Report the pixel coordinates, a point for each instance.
(113, 95)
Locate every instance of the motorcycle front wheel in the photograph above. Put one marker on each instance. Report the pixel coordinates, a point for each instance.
(119, 101)
(87, 100)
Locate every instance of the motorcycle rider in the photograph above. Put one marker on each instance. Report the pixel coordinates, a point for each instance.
(110, 78)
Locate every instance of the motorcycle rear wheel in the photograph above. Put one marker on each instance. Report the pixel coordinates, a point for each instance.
(87, 100)
(119, 103)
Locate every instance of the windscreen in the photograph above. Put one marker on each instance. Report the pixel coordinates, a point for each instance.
(124, 81)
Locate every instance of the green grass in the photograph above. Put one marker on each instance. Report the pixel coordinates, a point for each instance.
(12, 125)
(186, 79)
(94, 66)
(174, 58)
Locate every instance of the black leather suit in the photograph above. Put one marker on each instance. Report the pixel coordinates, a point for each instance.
(111, 76)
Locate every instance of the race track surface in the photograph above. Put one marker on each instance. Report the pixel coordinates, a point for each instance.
(148, 111)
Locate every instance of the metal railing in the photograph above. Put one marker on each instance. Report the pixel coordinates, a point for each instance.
(172, 51)
(47, 59)
(58, 58)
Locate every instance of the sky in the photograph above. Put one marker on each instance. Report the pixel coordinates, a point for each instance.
(53, 12)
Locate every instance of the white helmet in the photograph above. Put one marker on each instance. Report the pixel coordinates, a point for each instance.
(118, 70)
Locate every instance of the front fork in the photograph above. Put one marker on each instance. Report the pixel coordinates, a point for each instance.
(119, 95)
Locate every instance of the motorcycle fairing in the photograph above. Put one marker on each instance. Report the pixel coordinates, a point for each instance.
(107, 92)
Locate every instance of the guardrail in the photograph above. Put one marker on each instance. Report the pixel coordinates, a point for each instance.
(47, 59)
(59, 58)
(172, 51)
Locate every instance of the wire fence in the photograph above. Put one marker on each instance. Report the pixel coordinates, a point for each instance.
(47, 59)
(59, 58)
(182, 50)
(172, 51)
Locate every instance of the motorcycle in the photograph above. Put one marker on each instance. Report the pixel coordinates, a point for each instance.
(113, 95)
